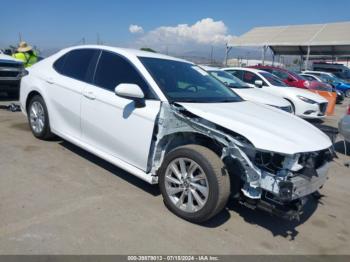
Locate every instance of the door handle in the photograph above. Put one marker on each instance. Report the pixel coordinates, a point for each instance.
(50, 81)
(90, 95)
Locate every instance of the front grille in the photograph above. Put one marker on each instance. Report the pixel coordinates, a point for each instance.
(11, 65)
(9, 73)
(323, 107)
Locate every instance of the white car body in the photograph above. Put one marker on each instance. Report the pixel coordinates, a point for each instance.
(302, 109)
(256, 95)
(136, 138)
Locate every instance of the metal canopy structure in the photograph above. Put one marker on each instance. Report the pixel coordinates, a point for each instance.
(331, 39)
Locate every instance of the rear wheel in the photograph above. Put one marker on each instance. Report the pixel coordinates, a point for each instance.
(194, 183)
(38, 118)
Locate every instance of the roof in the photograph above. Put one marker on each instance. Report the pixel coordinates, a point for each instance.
(129, 51)
(210, 68)
(254, 70)
(323, 39)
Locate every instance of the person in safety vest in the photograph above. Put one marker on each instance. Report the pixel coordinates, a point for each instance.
(26, 54)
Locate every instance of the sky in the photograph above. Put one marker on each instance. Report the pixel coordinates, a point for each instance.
(176, 26)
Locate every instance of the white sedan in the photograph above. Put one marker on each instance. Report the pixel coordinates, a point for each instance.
(305, 103)
(167, 121)
(248, 92)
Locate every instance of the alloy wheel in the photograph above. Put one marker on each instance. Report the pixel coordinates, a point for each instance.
(186, 185)
(37, 117)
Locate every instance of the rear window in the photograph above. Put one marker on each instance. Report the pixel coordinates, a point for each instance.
(75, 64)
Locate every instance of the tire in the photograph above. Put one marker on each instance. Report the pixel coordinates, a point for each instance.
(216, 181)
(347, 93)
(38, 118)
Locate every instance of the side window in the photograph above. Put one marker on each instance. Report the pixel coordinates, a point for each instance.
(75, 64)
(113, 70)
(280, 74)
(58, 65)
(236, 73)
(310, 78)
(250, 77)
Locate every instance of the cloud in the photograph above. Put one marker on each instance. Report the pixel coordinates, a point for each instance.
(135, 29)
(204, 32)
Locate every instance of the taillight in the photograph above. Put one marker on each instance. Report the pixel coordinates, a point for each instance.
(348, 110)
(306, 84)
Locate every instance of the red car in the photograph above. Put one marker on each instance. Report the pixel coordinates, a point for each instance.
(291, 78)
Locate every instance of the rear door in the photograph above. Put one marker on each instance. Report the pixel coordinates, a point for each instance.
(65, 90)
(114, 124)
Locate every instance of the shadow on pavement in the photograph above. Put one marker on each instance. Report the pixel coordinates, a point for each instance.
(151, 189)
(277, 226)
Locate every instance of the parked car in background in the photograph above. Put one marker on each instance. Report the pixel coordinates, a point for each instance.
(293, 79)
(11, 71)
(338, 83)
(344, 125)
(290, 78)
(248, 92)
(167, 121)
(305, 103)
(324, 79)
(339, 70)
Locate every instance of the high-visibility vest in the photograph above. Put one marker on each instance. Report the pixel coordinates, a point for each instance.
(28, 59)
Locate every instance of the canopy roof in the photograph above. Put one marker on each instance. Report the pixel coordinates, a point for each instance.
(323, 39)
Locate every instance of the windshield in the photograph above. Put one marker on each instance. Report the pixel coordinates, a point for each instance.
(228, 79)
(185, 82)
(273, 80)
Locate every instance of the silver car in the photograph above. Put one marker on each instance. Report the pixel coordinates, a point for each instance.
(344, 125)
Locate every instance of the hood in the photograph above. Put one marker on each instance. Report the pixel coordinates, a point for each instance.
(266, 127)
(8, 58)
(306, 93)
(259, 96)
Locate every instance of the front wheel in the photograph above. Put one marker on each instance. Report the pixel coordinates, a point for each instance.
(194, 183)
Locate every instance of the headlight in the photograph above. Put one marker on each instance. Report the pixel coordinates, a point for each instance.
(284, 108)
(307, 100)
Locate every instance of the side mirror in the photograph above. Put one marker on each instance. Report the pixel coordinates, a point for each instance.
(259, 83)
(290, 79)
(131, 91)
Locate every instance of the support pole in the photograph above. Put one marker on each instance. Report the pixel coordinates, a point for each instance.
(301, 62)
(228, 49)
(264, 54)
(306, 64)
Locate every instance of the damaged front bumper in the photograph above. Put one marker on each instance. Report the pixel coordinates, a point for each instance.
(284, 196)
(294, 187)
(276, 183)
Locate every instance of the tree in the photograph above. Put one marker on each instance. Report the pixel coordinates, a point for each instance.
(148, 49)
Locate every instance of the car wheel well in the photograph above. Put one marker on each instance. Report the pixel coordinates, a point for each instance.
(30, 96)
(185, 138)
(292, 104)
(234, 167)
